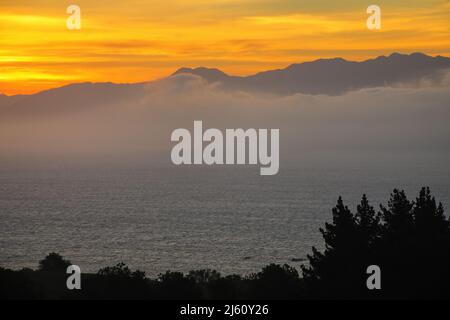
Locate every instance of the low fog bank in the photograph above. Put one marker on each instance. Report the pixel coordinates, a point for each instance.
(407, 122)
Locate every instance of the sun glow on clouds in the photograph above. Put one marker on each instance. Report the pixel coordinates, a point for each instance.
(138, 40)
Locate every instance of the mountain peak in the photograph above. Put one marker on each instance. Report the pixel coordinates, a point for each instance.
(208, 73)
(397, 55)
(332, 76)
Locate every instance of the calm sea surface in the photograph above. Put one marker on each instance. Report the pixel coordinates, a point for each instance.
(156, 219)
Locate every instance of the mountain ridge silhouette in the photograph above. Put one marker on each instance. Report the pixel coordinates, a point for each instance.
(331, 76)
(334, 76)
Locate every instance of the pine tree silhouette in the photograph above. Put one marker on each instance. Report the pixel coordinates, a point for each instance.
(409, 241)
(335, 272)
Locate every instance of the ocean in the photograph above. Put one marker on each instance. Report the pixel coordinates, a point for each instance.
(159, 218)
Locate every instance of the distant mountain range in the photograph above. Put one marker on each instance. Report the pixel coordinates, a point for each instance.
(323, 76)
(333, 76)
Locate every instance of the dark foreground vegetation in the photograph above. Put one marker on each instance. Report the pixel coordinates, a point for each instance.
(408, 240)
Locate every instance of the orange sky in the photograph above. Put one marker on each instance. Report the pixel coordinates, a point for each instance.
(139, 40)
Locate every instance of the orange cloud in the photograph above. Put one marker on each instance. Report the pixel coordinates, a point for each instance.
(141, 40)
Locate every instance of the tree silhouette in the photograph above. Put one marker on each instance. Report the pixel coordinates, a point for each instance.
(54, 262)
(338, 270)
(429, 218)
(410, 241)
(368, 224)
(415, 247)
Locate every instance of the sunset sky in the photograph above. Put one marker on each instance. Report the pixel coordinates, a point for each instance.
(139, 40)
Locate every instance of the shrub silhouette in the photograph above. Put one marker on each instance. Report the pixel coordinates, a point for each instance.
(176, 286)
(16, 285)
(117, 282)
(275, 282)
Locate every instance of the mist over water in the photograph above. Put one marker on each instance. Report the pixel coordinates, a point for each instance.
(137, 128)
(96, 183)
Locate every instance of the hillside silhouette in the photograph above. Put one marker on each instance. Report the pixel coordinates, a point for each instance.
(323, 76)
(408, 240)
(333, 76)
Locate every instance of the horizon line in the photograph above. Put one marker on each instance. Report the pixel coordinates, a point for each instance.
(217, 69)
